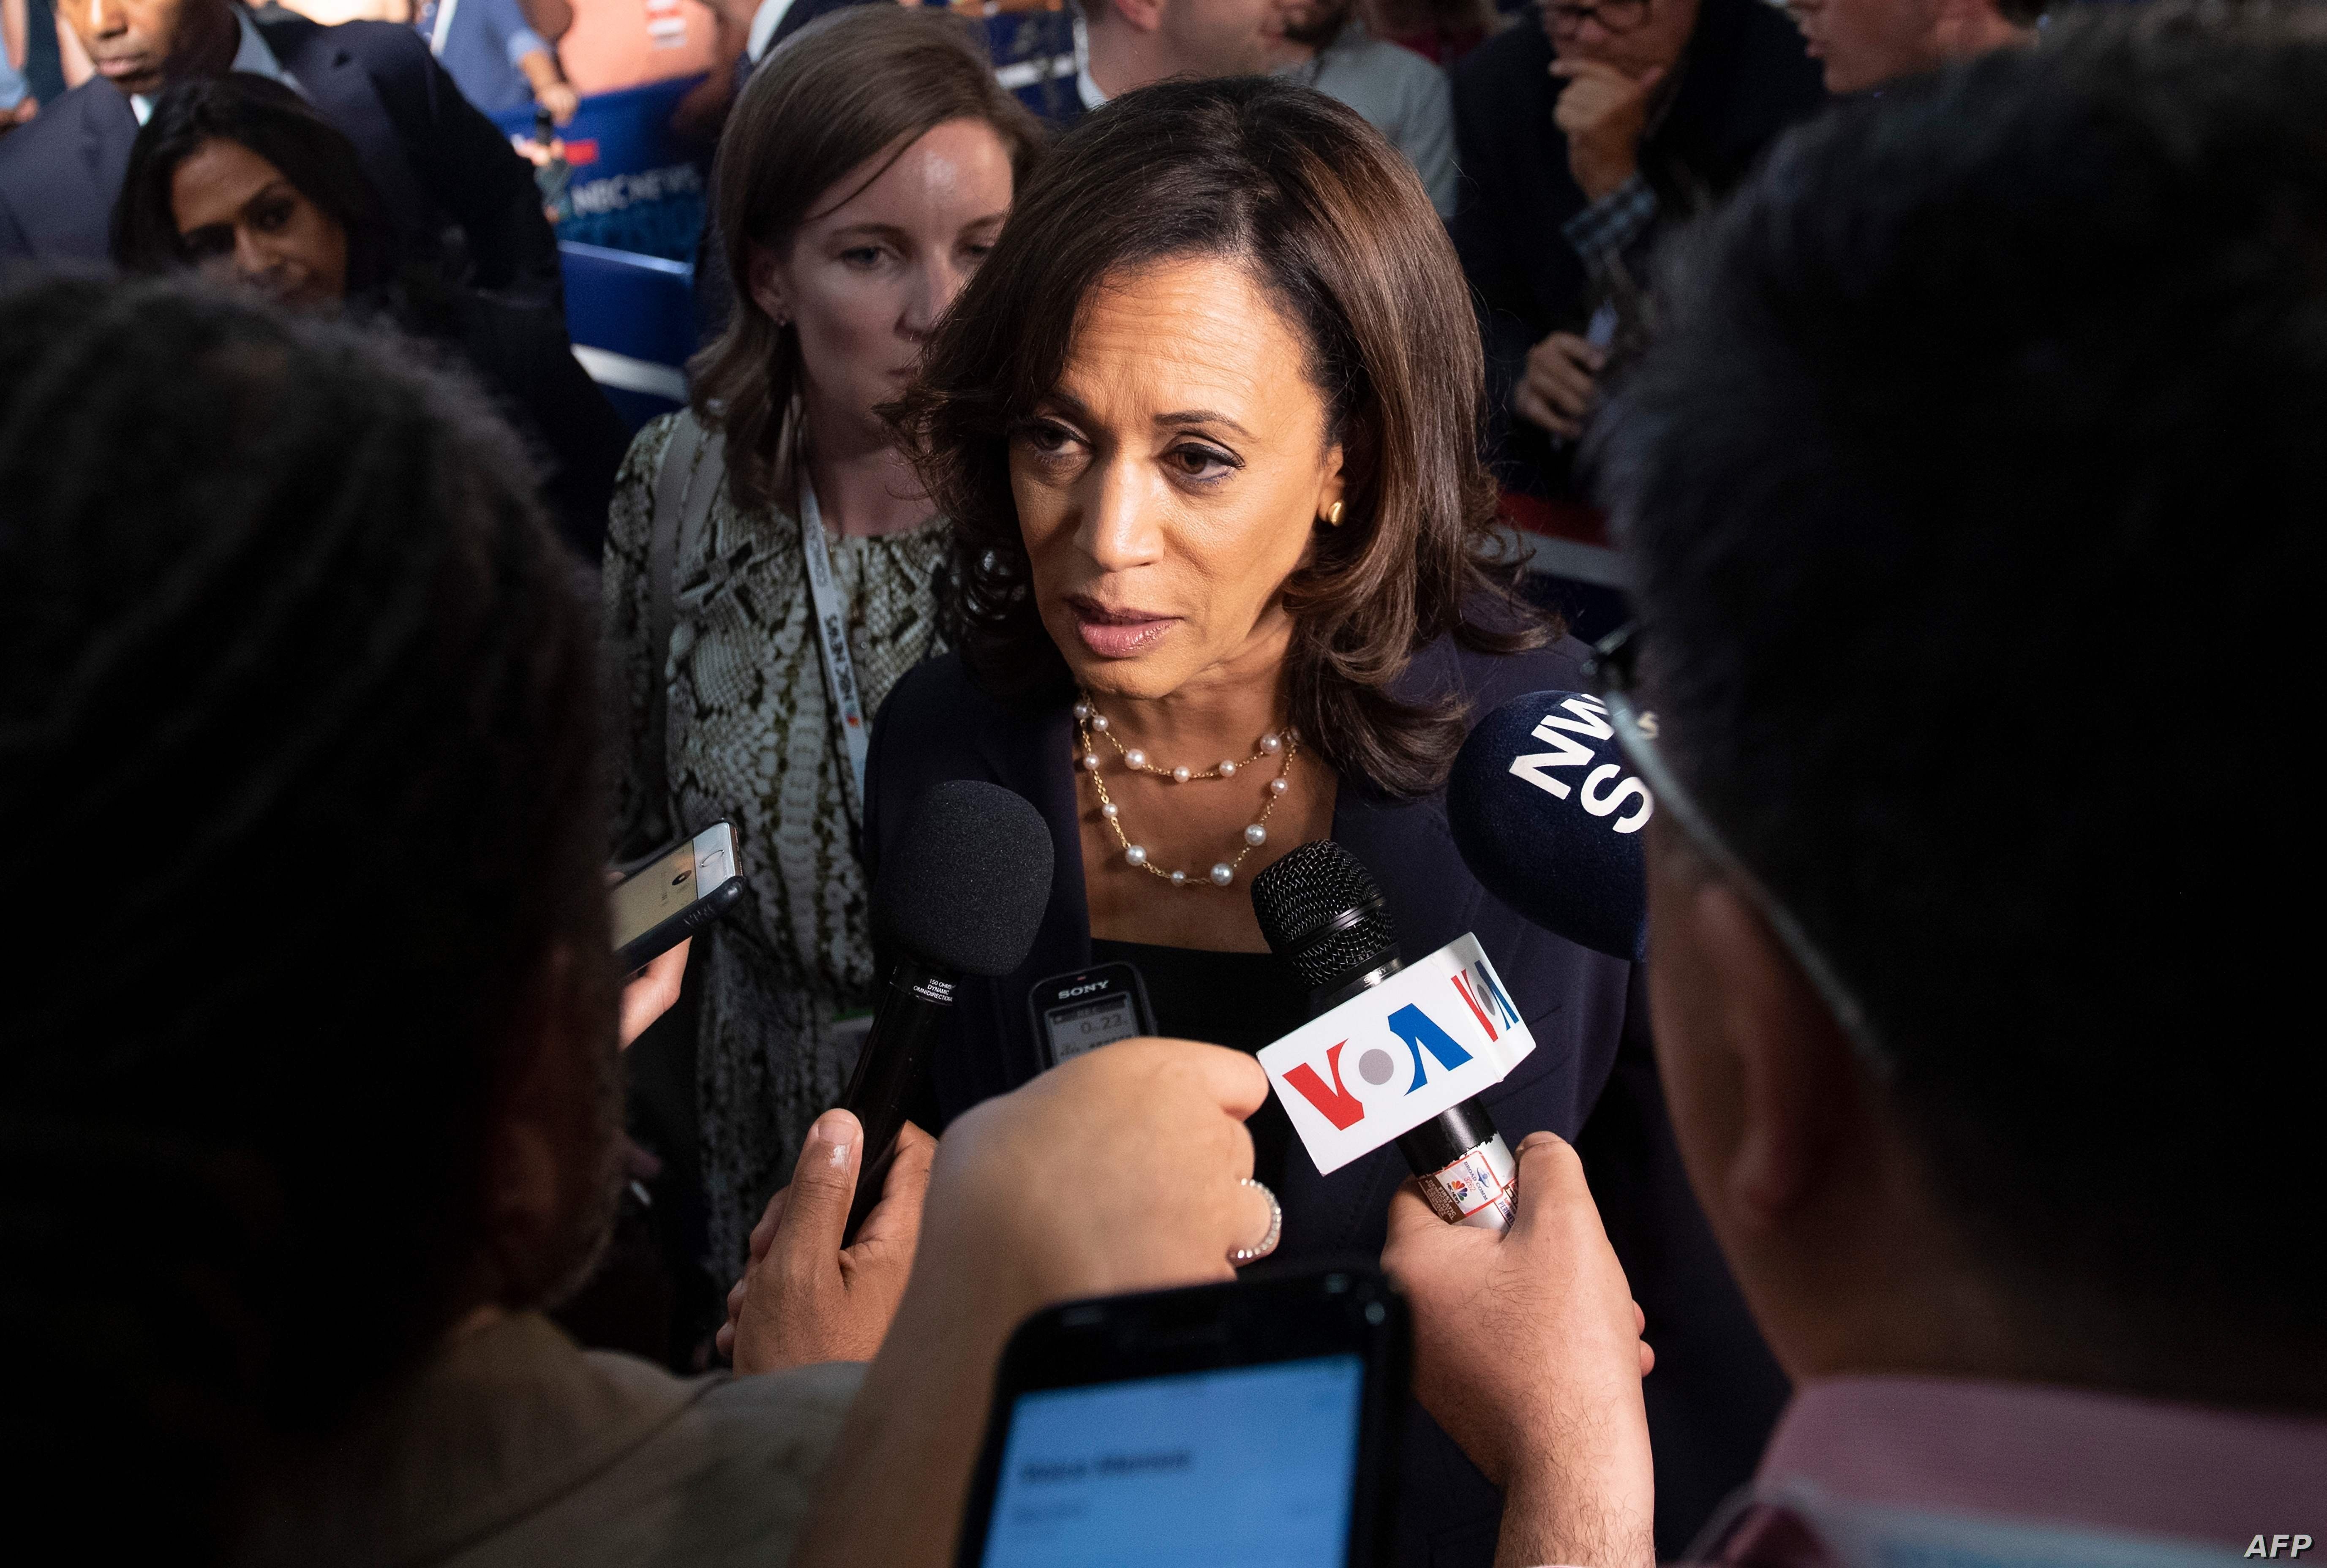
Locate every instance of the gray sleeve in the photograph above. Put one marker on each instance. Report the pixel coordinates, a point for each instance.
(1427, 138)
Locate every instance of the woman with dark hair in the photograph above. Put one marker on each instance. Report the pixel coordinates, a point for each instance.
(238, 176)
(1206, 425)
(861, 178)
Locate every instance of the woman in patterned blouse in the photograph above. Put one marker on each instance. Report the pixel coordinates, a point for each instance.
(863, 175)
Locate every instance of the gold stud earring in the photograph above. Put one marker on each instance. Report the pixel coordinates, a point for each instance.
(1333, 516)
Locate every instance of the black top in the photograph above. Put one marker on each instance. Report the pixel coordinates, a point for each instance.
(1591, 1078)
(1243, 1000)
(433, 159)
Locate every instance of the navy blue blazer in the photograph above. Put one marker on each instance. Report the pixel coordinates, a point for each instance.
(1716, 1391)
(434, 158)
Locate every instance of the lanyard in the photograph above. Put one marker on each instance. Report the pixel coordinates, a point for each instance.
(832, 632)
(436, 35)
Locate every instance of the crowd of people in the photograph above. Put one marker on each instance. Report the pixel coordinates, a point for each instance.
(1931, 360)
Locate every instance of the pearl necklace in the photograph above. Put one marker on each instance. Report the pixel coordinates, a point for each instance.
(1090, 721)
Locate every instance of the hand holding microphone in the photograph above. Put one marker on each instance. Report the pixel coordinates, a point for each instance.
(1323, 913)
(1528, 1351)
(804, 1297)
(1527, 1346)
(962, 894)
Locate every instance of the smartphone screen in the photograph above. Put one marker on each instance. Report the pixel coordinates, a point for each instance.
(651, 897)
(1237, 1467)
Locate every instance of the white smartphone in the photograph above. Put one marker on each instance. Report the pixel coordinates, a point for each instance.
(678, 893)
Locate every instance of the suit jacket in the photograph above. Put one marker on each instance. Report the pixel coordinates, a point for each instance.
(1744, 79)
(524, 360)
(434, 158)
(1719, 1391)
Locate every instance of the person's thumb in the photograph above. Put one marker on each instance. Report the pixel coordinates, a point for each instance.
(1408, 1214)
(823, 1182)
(1550, 1177)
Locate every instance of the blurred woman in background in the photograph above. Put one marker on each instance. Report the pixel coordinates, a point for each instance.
(864, 172)
(240, 177)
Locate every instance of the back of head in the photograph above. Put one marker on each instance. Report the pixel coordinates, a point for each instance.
(265, 117)
(854, 87)
(296, 740)
(1975, 490)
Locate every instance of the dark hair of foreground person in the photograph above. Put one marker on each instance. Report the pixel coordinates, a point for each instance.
(2081, 1001)
(297, 709)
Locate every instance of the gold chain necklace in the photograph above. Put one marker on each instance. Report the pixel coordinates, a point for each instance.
(1090, 721)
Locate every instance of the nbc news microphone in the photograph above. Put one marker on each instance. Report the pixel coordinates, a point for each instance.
(962, 892)
(1323, 914)
(1547, 815)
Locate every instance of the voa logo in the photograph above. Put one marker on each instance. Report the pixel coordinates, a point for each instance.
(1585, 720)
(1397, 1063)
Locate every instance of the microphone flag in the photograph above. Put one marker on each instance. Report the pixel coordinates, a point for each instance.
(1389, 1059)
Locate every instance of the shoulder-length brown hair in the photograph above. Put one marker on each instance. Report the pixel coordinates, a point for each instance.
(1334, 224)
(861, 84)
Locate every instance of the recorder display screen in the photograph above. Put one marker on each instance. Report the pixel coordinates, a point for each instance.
(1083, 1026)
(1246, 1467)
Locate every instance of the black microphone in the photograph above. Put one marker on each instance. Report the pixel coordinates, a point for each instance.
(962, 892)
(1547, 815)
(1323, 914)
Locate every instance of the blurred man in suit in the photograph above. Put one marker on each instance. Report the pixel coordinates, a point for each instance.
(1579, 141)
(452, 187)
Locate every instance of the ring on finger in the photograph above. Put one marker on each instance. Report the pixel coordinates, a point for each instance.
(1242, 1255)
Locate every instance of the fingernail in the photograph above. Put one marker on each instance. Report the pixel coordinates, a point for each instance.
(832, 1129)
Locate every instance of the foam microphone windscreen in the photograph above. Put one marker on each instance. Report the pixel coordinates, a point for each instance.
(965, 884)
(1547, 815)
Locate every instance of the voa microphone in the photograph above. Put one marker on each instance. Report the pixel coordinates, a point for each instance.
(1547, 815)
(1323, 914)
(962, 892)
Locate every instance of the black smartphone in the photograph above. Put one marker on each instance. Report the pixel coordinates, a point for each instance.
(1253, 1421)
(676, 894)
(1090, 1007)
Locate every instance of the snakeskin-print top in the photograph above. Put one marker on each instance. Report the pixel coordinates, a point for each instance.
(752, 740)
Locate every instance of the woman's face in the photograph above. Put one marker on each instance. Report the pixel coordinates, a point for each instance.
(238, 217)
(866, 281)
(1172, 479)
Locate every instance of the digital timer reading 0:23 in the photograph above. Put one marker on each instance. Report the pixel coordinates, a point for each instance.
(1085, 1027)
(1087, 1008)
